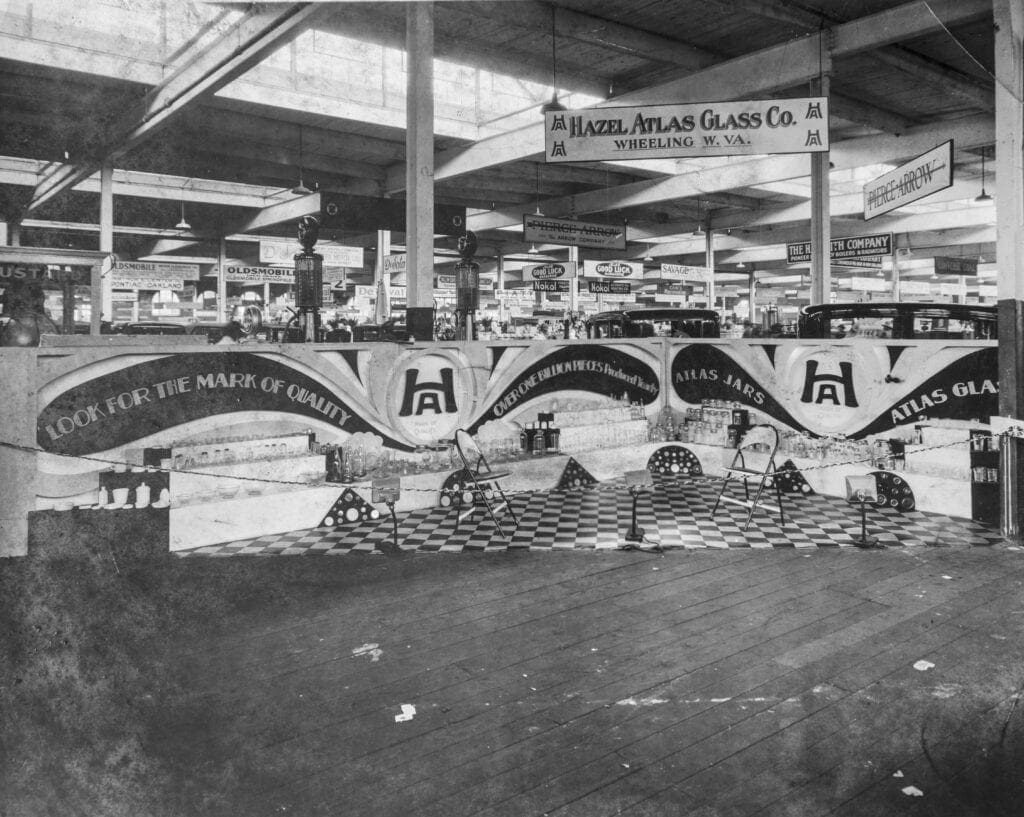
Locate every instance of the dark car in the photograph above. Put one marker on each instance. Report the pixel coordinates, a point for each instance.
(654, 322)
(391, 330)
(153, 328)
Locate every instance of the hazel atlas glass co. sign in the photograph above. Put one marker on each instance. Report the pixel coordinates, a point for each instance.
(750, 127)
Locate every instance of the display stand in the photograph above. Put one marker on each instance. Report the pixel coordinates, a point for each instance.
(862, 490)
(637, 481)
(389, 491)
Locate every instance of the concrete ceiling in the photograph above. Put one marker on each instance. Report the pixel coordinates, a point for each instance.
(219, 108)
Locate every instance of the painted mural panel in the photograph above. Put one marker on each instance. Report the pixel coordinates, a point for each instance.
(855, 389)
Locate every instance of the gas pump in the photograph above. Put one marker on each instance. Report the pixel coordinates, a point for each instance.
(467, 287)
(309, 276)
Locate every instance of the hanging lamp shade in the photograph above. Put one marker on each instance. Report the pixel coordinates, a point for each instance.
(183, 224)
(983, 197)
(300, 189)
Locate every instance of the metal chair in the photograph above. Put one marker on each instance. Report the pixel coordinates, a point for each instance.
(757, 437)
(484, 480)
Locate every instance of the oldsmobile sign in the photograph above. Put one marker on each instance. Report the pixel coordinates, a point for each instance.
(743, 128)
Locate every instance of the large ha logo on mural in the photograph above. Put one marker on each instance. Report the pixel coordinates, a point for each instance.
(427, 396)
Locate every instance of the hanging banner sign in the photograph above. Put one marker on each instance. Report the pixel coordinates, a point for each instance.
(37, 272)
(920, 177)
(870, 284)
(147, 282)
(609, 287)
(550, 272)
(742, 128)
(189, 272)
(613, 269)
(868, 262)
(544, 230)
(395, 263)
(863, 246)
(551, 286)
(681, 272)
(956, 266)
(151, 275)
(276, 275)
(282, 254)
(444, 282)
(351, 212)
(915, 288)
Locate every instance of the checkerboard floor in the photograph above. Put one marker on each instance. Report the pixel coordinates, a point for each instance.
(674, 513)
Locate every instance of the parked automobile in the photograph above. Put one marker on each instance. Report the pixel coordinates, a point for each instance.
(654, 322)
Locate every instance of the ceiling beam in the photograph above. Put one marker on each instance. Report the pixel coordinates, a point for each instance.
(781, 66)
(846, 154)
(194, 73)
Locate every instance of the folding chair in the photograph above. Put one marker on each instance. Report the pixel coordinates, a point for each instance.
(484, 479)
(757, 437)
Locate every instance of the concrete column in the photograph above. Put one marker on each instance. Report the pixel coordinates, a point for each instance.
(419, 173)
(821, 233)
(574, 293)
(222, 287)
(752, 283)
(103, 305)
(17, 457)
(709, 262)
(1008, 16)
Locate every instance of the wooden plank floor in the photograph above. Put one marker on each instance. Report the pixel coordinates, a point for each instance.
(705, 683)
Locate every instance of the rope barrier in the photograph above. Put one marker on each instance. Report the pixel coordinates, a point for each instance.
(601, 485)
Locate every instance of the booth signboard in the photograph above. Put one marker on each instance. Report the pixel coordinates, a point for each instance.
(740, 128)
(870, 284)
(570, 233)
(613, 287)
(867, 262)
(915, 288)
(549, 272)
(861, 246)
(551, 286)
(615, 270)
(955, 266)
(275, 275)
(147, 282)
(189, 272)
(682, 272)
(920, 177)
(444, 282)
(282, 253)
(396, 263)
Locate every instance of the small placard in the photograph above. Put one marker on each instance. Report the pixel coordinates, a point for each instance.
(636, 478)
(862, 488)
(388, 489)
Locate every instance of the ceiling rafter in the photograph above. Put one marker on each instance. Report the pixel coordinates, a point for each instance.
(781, 66)
(193, 74)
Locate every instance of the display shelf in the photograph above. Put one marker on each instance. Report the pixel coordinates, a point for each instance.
(216, 482)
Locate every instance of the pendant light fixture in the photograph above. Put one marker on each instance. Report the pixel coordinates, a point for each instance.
(183, 224)
(983, 197)
(649, 258)
(553, 106)
(300, 189)
(536, 171)
(533, 249)
(700, 223)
